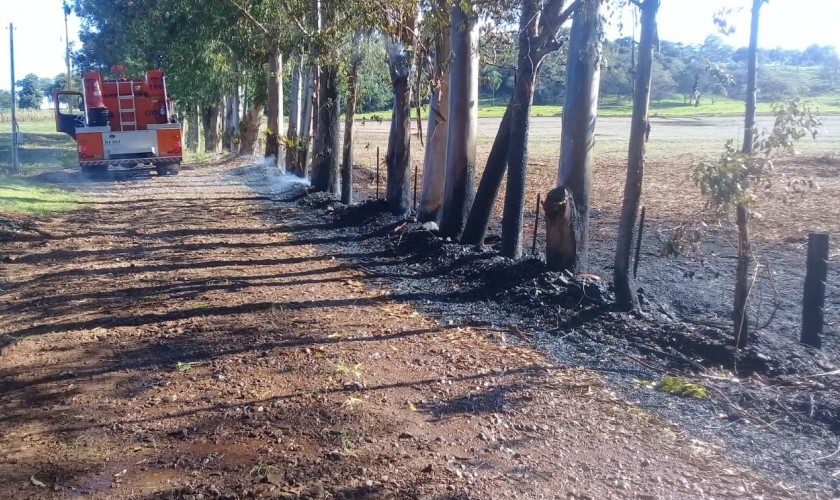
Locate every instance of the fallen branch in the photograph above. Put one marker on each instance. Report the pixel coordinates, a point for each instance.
(826, 374)
(831, 455)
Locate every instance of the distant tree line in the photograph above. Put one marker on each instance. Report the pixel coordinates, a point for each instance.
(32, 90)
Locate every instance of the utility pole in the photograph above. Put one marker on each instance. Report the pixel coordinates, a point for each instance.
(67, 45)
(14, 104)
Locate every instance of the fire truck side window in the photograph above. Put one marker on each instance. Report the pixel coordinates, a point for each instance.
(70, 104)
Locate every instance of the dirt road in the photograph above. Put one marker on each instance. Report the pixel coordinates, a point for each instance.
(174, 338)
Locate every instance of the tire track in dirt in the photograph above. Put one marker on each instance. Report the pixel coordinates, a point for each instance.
(169, 340)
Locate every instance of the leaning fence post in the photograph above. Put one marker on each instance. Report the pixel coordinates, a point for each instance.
(536, 226)
(813, 300)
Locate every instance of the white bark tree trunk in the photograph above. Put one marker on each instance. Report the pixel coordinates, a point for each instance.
(294, 119)
(583, 77)
(459, 186)
(434, 163)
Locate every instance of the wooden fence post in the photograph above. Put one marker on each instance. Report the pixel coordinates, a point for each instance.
(536, 225)
(813, 301)
(377, 172)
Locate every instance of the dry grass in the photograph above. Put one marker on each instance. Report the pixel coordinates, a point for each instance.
(787, 208)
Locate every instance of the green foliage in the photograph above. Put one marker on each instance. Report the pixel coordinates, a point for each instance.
(728, 179)
(30, 93)
(183, 366)
(731, 178)
(677, 385)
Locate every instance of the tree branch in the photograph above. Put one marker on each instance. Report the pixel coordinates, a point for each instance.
(295, 20)
(547, 40)
(250, 17)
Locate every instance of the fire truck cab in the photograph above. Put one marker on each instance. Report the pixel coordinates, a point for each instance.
(121, 122)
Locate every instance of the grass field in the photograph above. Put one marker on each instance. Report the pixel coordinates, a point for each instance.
(21, 196)
(666, 108)
(43, 148)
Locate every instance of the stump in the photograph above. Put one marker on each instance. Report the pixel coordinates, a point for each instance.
(560, 224)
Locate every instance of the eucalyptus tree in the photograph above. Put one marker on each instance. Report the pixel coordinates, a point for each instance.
(399, 20)
(538, 36)
(625, 290)
(567, 206)
(436, 27)
(459, 184)
(752, 69)
(356, 54)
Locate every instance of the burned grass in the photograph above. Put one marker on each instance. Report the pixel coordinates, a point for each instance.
(772, 395)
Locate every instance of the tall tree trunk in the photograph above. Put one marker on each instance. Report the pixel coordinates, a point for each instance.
(752, 68)
(398, 155)
(193, 118)
(742, 269)
(292, 164)
(349, 117)
(625, 288)
(459, 186)
(511, 143)
(434, 163)
(523, 97)
(488, 188)
(305, 126)
(250, 125)
(275, 105)
(236, 118)
(325, 161)
(227, 134)
(211, 118)
(251, 130)
(580, 108)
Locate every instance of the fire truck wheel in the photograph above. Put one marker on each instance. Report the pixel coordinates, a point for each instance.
(163, 170)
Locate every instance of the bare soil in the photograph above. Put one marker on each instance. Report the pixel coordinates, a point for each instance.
(214, 335)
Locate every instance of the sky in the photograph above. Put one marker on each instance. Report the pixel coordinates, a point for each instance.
(791, 24)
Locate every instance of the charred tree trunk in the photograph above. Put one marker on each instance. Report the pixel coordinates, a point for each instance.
(459, 186)
(349, 120)
(561, 226)
(326, 150)
(292, 164)
(528, 63)
(398, 156)
(488, 188)
(275, 103)
(434, 163)
(625, 289)
(580, 109)
(752, 68)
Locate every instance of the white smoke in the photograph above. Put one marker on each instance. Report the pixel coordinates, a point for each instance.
(275, 179)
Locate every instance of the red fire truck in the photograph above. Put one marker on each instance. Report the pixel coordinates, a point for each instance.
(121, 122)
